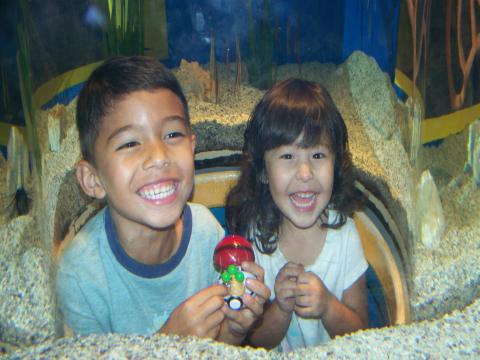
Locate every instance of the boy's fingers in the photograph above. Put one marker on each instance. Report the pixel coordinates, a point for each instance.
(214, 319)
(213, 333)
(253, 269)
(208, 324)
(205, 303)
(213, 302)
(259, 289)
(253, 304)
(204, 295)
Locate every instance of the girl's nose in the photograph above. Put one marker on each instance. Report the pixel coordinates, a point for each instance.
(157, 156)
(304, 171)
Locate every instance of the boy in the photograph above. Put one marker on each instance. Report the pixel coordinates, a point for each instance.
(143, 264)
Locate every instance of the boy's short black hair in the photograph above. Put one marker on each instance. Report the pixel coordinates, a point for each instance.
(111, 82)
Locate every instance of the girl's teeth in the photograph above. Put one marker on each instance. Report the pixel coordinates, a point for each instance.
(304, 195)
(303, 199)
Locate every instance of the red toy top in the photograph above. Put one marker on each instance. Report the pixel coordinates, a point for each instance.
(233, 249)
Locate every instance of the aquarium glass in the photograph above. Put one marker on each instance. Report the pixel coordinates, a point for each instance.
(424, 54)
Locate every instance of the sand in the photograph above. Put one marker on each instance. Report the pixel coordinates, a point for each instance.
(443, 281)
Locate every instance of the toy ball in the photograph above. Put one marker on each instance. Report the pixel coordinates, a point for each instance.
(232, 250)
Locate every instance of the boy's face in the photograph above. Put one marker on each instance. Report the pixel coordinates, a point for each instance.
(144, 160)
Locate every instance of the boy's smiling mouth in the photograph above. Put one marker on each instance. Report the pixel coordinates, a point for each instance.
(155, 192)
(303, 200)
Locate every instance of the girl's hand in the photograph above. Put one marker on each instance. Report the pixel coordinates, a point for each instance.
(311, 296)
(200, 315)
(285, 284)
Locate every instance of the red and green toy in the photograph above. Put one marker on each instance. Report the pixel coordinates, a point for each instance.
(227, 259)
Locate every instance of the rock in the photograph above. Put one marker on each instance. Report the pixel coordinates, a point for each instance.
(195, 81)
(430, 216)
(18, 171)
(415, 117)
(55, 119)
(372, 93)
(473, 160)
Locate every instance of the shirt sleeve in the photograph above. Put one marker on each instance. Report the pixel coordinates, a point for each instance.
(74, 307)
(356, 263)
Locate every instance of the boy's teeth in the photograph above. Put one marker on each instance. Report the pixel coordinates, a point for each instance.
(157, 192)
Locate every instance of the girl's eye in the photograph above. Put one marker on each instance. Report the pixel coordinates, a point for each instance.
(128, 145)
(286, 156)
(318, 156)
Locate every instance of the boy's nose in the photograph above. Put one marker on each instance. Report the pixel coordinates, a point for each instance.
(157, 156)
(304, 171)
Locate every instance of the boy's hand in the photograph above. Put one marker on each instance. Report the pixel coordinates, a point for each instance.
(311, 296)
(200, 315)
(239, 322)
(285, 286)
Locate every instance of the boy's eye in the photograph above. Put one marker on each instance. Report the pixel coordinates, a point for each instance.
(128, 145)
(174, 134)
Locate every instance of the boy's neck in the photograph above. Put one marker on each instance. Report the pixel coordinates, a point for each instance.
(151, 246)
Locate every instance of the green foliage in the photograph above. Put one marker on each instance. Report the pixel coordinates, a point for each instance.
(260, 46)
(123, 33)
(25, 79)
(7, 105)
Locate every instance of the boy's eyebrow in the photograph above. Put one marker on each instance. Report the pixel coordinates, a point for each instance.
(176, 117)
(129, 126)
(118, 131)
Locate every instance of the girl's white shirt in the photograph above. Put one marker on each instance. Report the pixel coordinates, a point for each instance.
(340, 263)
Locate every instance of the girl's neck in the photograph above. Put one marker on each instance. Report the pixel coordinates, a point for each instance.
(302, 246)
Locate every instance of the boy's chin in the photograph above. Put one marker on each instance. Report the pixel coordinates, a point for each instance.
(164, 221)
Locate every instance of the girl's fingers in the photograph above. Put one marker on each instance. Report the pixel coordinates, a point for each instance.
(292, 270)
(286, 293)
(302, 301)
(307, 277)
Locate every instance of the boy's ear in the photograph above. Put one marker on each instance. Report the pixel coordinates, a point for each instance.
(194, 141)
(88, 179)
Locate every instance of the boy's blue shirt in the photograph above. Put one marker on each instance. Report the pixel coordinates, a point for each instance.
(101, 289)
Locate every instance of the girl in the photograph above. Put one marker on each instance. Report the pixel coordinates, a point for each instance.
(293, 200)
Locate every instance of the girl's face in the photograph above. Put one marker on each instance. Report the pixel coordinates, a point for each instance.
(300, 181)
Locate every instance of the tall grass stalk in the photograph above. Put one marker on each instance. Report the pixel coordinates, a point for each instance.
(26, 84)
